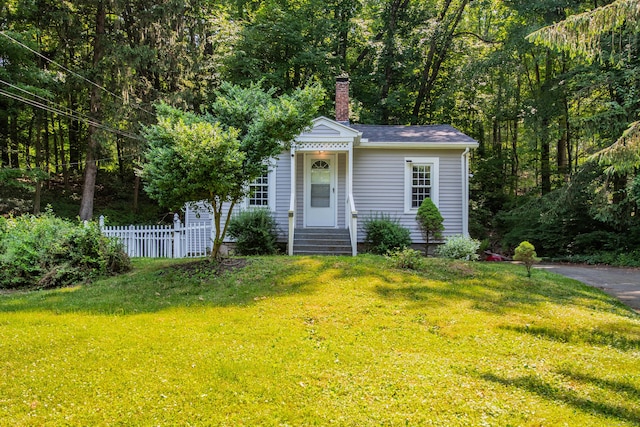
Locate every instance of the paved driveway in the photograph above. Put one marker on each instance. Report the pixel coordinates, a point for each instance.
(622, 283)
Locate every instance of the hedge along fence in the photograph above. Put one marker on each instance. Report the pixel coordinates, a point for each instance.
(163, 241)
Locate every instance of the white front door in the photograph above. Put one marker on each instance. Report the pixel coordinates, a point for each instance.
(320, 191)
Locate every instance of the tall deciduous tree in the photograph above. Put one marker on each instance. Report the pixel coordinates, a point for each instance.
(91, 167)
(581, 34)
(214, 157)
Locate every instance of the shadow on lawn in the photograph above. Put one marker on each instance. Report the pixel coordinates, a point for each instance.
(621, 336)
(498, 290)
(162, 285)
(630, 390)
(536, 385)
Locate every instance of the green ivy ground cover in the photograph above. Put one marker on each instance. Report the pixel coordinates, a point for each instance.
(320, 341)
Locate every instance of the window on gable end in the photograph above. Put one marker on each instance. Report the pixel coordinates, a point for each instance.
(420, 182)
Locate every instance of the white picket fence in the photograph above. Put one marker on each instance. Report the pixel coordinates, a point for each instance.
(163, 241)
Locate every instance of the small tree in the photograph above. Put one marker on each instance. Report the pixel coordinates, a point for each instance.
(430, 222)
(215, 156)
(526, 253)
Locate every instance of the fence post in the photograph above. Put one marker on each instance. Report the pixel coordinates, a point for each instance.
(177, 241)
(101, 222)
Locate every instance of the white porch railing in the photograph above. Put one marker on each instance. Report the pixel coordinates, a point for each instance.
(292, 223)
(353, 225)
(163, 241)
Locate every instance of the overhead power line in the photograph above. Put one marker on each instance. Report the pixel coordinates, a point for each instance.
(74, 73)
(71, 111)
(68, 114)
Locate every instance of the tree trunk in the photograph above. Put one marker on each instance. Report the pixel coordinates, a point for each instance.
(45, 142)
(136, 193)
(515, 161)
(91, 167)
(57, 145)
(13, 145)
(438, 49)
(545, 144)
(39, 119)
(219, 233)
(74, 136)
(388, 55)
(545, 165)
(563, 143)
(4, 136)
(63, 157)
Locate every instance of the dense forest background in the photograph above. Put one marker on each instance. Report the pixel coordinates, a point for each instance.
(79, 78)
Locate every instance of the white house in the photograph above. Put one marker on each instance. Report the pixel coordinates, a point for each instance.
(337, 174)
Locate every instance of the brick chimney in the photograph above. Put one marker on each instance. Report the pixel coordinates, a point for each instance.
(342, 99)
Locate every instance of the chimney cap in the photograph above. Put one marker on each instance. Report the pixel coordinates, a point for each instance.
(342, 78)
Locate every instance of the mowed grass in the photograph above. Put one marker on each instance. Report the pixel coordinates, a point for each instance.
(299, 341)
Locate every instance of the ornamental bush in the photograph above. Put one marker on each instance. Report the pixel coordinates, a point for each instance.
(46, 251)
(406, 258)
(526, 253)
(254, 231)
(384, 234)
(430, 221)
(459, 247)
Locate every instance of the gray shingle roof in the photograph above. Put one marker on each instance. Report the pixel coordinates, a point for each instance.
(430, 134)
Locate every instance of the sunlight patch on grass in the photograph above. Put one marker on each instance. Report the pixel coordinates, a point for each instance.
(304, 340)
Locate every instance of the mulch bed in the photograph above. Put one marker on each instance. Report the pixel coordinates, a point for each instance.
(217, 268)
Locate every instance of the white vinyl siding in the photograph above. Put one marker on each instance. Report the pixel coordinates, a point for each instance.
(379, 177)
(278, 198)
(379, 186)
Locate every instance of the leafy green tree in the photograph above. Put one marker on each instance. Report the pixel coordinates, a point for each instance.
(285, 44)
(430, 221)
(215, 156)
(582, 34)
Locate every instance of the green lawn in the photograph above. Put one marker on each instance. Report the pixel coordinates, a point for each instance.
(320, 341)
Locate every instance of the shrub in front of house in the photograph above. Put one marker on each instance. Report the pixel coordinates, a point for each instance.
(459, 247)
(430, 221)
(406, 258)
(45, 251)
(384, 234)
(254, 231)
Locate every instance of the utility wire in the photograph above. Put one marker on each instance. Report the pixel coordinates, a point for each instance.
(77, 113)
(58, 111)
(71, 114)
(59, 165)
(74, 73)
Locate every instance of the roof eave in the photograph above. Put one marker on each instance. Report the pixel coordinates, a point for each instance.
(415, 145)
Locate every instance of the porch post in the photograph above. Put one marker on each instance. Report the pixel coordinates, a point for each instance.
(351, 213)
(292, 202)
(464, 161)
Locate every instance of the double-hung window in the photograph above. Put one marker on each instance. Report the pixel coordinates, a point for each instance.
(262, 192)
(420, 181)
(259, 192)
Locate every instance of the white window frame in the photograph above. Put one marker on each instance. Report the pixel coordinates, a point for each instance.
(434, 164)
(271, 189)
